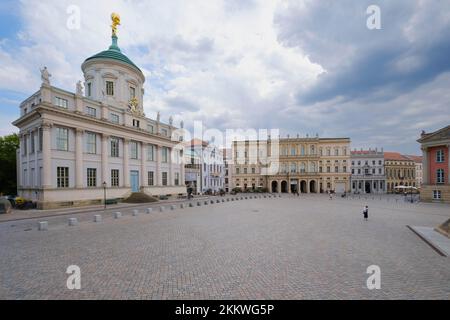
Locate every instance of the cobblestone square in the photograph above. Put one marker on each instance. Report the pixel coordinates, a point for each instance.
(306, 247)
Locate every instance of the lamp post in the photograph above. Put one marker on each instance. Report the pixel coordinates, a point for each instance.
(104, 193)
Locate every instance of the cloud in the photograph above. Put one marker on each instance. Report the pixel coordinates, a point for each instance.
(301, 66)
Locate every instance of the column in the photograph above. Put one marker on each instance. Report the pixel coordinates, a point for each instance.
(144, 180)
(27, 178)
(105, 139)
(158, 181)
(79, 158)
(447, 181)
(46, 155)
(126, 159)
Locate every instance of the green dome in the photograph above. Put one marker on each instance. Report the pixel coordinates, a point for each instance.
(114, 53)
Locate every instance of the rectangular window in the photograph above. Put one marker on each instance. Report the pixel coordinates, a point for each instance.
(440, 156)
(89, 89)
(151, 177)
(164, 178)
(92, 112)
(436, 194)
(114, 177)
(164, 132)
(91, 142)
(151, 152)
(177, 178)
(253, 170)
(91, 177)
(115, 118)
(25, 145)
(109, 88)
(136, 123)
(60, 102)
(336, 169)
(132, 93)
(165, 154)
(237, 170)
(328, 169)
(62, 177)
(115, 142)
(440, 176)
(150, 128)
(32, 142)
(41, 136)
(62, 139)
(134, 149)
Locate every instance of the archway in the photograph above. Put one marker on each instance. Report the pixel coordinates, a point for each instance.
(312, 186)
(303, 186)
(274, 186)
(284, 187)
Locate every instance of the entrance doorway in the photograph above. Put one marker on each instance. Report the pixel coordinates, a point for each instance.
(274, 186)
(134, 180)
(284, 188)
(367, 187)
(303, 186)
(312, 186)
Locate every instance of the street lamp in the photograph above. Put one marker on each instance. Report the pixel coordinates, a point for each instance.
(104, 193)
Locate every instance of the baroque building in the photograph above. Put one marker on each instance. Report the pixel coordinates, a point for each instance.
(436, 165)
(368, 174)
(400, 171)
(285, 165)
(75, 146)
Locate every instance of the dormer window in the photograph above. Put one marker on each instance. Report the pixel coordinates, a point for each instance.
(109, 88)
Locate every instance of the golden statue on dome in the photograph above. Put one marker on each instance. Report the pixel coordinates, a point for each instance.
(115, 22)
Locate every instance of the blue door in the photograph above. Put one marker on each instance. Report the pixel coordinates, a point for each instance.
(134, 181)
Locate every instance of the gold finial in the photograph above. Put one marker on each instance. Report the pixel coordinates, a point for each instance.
(115, 22)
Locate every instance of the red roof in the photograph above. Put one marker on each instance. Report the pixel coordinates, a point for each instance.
(395, 156)
(417, 159)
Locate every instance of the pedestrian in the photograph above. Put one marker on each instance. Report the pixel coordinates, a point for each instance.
(366, 213)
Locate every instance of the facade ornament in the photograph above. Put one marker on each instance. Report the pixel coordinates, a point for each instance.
(158, 116)
(79, 88)
(45, 76)
(115, 18)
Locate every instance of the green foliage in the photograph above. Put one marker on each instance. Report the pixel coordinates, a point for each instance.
(8, 172)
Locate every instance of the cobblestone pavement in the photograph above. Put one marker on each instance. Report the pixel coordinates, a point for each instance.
(284, 248)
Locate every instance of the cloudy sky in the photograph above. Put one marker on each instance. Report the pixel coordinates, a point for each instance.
(304, 67)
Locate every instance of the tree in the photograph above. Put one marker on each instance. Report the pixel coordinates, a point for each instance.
(8, 171)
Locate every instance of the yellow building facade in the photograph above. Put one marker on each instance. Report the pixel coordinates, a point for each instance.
(288, 165)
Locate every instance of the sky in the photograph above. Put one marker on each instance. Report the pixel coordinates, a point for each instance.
(303, 67)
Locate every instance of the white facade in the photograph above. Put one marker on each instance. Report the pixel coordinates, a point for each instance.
(74, 144)
(207, 161)
(368, 174)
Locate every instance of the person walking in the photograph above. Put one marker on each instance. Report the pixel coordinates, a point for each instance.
(366, 213)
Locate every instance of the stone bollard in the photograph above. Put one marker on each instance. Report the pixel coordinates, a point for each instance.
(223, 200)
(73, 222)
(217, 201)
(228, 199)
(117, 215)
(212, 201)
(181, 205)
(191, 204)
(206, 203)
(232, 199)
(135, 213)
(149, 210)
(173, 207)
(161, 209)
(199, 203)
(265, 196)
(42, 225)
(97, 218)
